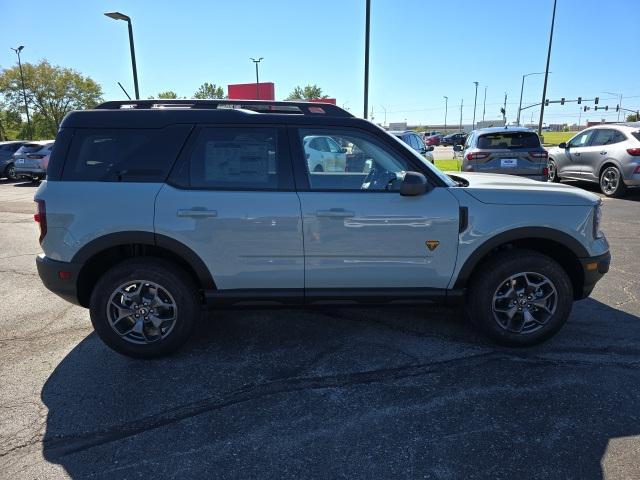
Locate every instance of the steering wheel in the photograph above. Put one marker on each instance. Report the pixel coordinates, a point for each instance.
(379, 180)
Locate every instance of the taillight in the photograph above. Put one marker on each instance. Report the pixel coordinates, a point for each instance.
(637, 170)
(634, 152)
(476, 156)
(41, 218)
(545, 171)
(544, 154)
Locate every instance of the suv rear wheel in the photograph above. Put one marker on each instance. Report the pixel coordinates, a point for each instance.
(611, 183)
(144, 308)
(520, 298)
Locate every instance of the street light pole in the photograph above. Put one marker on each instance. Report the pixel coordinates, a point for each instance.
(366, 56)
(473, 127)
(522, 90)
(546, 70)
(257, 77)
(122, 16)
(484, 103)
(446, 105)
(461, 105)
(385, 115)
(24, 91)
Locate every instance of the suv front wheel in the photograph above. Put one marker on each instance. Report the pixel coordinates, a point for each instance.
(144, 308)
(520, 298)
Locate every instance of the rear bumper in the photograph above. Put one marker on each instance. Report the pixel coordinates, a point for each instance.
(38, 172)
(49, 271)
(593, 269)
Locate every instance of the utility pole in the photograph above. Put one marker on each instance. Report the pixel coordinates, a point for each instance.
(446, 101)
(461, 104)
(546, 70)
(257, 77)
(385, 114)
(484, 103)
(366, 57)
(24, 92)
(504, 109)
(473, 127)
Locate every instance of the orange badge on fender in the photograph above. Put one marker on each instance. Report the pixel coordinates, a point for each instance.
(432, 244)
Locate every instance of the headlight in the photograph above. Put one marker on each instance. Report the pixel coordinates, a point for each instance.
(597, 219)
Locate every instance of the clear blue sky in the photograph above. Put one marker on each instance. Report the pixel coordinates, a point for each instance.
(420, 49)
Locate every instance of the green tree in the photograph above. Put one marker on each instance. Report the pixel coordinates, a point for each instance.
(169, 94)
(52, 92)
(310, 92)
(634, 117)
(209, 90)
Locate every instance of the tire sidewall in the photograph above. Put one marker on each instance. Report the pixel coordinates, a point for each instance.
(499, 270)
(620, 189)
(171, 278)
(555, 178)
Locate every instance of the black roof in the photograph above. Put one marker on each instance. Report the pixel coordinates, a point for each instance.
(160, 113)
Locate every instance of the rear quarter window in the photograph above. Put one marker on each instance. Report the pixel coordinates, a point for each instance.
(636, 134)
(124, 155)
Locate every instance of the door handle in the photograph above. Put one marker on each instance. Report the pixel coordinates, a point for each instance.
(335, 213)
(603, 153)
(197, 212)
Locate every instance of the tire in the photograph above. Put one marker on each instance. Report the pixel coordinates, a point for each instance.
(611, 183)
(490, 286)
(10, 172)
(553, 171)
(318, 169)
(144, 338)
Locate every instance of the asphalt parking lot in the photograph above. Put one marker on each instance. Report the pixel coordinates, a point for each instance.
(351, 393)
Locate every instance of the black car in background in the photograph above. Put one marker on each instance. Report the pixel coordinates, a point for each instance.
(454, 139)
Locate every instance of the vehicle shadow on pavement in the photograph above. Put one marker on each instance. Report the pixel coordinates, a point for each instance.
(356, 393)
(632, 193)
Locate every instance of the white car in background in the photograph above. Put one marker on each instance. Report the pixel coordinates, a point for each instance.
(324, 154)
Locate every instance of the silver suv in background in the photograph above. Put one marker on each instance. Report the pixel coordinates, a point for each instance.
(606, 154)
(31, 159)
(510, 150)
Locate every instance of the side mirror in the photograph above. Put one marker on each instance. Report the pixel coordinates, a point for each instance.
(457, 148)
(430, 148)
(413, 184)
(563, 145)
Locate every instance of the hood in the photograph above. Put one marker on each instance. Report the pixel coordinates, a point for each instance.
(514, 190)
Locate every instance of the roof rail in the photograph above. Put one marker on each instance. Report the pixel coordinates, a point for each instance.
(258, 106)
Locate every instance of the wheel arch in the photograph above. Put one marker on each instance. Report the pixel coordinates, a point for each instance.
(101, 253)
(558, 245)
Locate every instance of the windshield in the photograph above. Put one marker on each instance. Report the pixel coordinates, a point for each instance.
(508, 140)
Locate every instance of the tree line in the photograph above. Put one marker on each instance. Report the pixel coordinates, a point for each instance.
(51, 92)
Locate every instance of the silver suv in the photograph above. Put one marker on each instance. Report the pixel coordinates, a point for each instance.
(606, 154)
(509, 150)
(153, 210)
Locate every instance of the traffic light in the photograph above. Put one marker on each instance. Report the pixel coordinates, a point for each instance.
(606, 107)
(562, 101)
(579, 100)
(585, 108)
(597, 100)
(617, 108)
(595, 108)
(546, 102)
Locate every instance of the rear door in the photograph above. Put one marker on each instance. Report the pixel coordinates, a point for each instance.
(516, 153)
(600, 150)
(231, 199)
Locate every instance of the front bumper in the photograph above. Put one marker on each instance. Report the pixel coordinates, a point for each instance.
(593, 269)
(59, 277)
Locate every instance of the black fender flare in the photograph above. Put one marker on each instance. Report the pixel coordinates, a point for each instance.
(147, 238)
(522, 233)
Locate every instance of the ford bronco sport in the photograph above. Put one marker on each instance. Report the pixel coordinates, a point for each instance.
(155, 209)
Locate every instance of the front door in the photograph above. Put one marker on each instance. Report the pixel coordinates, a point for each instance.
(577, 152)
(359, 232)
(231, 200)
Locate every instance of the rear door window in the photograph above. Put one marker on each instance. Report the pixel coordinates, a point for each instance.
(508, 140)
(124, 155)
(607, 136)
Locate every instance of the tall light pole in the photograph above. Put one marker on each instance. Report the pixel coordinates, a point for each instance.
(446, 104)
(546, 70)
(484, 103)
(366, 56)
(461, 104)
(257, 76)
(522, 90)
(619, 102)
(24, 91)
(475, 100)
(122, 16)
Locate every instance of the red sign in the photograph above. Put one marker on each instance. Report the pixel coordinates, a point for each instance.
(324, 100)
(252, 91)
